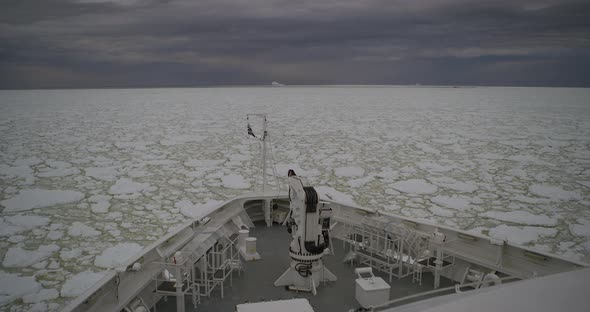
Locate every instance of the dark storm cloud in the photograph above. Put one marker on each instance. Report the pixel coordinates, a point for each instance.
(95, 43)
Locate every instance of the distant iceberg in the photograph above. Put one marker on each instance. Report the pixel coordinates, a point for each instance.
(277, 84)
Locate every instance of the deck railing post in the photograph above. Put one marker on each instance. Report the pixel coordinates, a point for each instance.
(438, 267)
(179, 293)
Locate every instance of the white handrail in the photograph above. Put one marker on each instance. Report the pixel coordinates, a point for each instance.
(454, 287)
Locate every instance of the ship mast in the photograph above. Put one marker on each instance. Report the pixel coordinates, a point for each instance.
(264, 146)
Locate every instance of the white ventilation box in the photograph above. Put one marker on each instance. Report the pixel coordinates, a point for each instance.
(242, 235)
(248, 249)
(370, 291)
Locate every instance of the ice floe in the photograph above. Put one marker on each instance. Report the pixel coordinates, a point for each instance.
(100, 207)
(330, 193)
(442, 212)
(18, 257)
(99, 198)
(39, 198)
(128, 186)
(354, 183)
(61, 172)
(553, 192)
(30, 161)
(42, 295)
(16, 238)
(204, 163)
(79, 229)
(22, 172)
(387, 173)
(15, 286)
(433, 167)
(581, 229)
(107, 174)
(459, 186)
(283, 169)
(235, 181)
(454, 202)
(415, 186)
(521, 217)
(117, 256)
(19, 223)
(491, 156)
(349, 172)
(140, 145)
(70, 254)
(426, 148)
(180, 139)
(58, 169)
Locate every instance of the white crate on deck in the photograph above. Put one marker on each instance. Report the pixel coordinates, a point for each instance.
(292, 305)
(371, 290)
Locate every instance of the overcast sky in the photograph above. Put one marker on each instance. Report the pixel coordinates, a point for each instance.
(150, 43)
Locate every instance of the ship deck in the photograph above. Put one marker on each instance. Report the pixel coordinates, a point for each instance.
(255, 283)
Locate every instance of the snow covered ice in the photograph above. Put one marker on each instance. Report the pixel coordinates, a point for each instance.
(18, 257)
(37, 198)
(14, 286)
(89, 177)
(414, 186)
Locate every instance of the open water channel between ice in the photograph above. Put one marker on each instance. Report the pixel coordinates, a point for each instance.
(89, 177)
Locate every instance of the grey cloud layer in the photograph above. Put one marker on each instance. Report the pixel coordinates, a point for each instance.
(95, 43)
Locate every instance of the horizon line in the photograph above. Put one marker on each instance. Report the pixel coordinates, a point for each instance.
(450, 86)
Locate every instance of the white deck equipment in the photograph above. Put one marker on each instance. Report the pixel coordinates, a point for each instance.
(247, 246)
(309, 224)
(370, 290)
